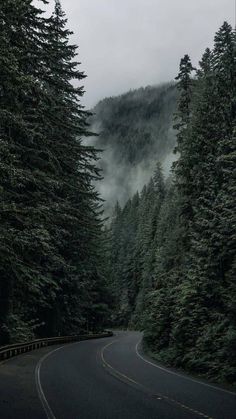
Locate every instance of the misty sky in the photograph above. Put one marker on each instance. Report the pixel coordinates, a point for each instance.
(126, 44)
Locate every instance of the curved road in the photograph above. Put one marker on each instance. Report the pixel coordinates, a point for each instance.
(108, 378)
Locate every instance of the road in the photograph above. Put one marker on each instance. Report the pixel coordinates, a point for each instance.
(108, 378)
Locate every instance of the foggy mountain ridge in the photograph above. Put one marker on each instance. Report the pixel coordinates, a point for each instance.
(135, 131)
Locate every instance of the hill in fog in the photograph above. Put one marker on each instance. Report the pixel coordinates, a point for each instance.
(135, 132)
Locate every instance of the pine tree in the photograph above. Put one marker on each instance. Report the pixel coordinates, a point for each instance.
(183, 165)
(79, 212)
(185, 238)
(204, 289)
(23, 181)
(159, 316)
(51, 238)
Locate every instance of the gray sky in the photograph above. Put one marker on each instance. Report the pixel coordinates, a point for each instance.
(126, 44)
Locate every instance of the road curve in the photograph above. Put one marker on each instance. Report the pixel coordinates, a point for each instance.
(108, 378)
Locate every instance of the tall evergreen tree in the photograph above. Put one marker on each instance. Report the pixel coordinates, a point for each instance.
(185, 241)
(51, 229)
(25, 185)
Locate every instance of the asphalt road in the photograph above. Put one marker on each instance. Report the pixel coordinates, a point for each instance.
(108, 378)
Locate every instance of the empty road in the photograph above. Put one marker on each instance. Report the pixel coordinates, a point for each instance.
(108, 378)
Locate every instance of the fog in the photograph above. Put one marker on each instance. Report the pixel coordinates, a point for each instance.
(126, 44)
(114, 189)
(124, 173)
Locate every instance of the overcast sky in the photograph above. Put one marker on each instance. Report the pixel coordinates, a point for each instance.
(126, 44)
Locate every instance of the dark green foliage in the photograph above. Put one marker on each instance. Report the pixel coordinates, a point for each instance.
(50, 232)
(132, 252)
(135, 132)
(184, 245)
(143, 116)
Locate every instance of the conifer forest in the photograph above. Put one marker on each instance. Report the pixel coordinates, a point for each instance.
(162, 259)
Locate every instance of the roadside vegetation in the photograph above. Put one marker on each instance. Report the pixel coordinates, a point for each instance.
(172, 253)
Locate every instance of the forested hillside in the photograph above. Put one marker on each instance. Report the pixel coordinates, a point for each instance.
(136, 130)
(172, 248)
(166, 263)
(51, 277)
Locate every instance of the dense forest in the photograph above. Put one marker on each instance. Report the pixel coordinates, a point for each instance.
(135, 130)
(51, 266)
(171, 253)
(165, 263)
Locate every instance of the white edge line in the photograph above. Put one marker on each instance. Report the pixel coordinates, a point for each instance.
(40, 391)
(180, 375)
(183, 406)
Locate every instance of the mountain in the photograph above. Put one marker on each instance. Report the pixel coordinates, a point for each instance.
(135, 131)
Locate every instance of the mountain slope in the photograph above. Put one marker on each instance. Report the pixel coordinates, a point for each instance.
(135, 132)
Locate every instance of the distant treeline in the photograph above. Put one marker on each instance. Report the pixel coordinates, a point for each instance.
(51, 269)
(172, 248)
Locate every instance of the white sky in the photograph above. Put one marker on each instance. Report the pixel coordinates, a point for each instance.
(124, 44)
